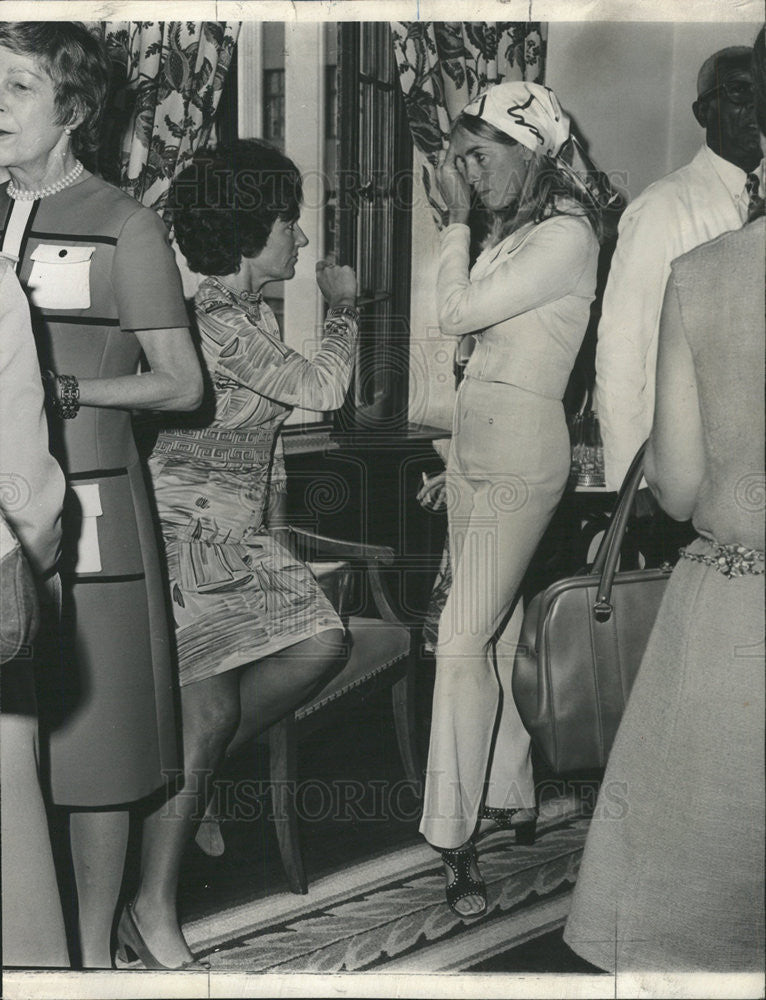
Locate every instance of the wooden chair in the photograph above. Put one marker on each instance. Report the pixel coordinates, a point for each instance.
(381, 656)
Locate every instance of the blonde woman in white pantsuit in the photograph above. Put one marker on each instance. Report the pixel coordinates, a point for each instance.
(527, 301)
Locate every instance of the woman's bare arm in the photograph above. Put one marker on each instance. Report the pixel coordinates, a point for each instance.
(674, 464)
(174, 381)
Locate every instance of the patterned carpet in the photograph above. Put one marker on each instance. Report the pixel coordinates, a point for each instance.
(389, 912)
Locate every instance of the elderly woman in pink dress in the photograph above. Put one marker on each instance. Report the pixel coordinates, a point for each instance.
(97, 269)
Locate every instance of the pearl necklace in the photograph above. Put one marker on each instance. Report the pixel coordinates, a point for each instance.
(20, 194)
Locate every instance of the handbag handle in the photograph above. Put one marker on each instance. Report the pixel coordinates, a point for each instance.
(585, 405)
(605, 563)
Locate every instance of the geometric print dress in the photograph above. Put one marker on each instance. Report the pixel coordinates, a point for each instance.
(236, 593)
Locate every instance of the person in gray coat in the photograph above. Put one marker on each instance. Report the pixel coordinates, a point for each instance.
(31, 498)
(676, 883)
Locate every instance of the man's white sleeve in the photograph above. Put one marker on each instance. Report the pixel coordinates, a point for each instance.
(626, 355)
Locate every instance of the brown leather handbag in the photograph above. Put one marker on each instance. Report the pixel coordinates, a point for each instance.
(581, 644)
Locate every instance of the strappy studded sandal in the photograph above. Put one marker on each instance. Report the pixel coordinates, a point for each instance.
(459, 860)
(525, 831)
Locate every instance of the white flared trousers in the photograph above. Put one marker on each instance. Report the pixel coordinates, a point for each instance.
(506, 472)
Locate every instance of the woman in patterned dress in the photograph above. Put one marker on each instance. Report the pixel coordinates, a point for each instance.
(255, 634)
(103, 286)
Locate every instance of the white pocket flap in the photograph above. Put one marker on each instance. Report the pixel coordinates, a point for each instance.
(90, 499)
(88, 551)
(47, 253)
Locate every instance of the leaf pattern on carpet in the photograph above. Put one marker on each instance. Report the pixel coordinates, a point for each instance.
(389, 921)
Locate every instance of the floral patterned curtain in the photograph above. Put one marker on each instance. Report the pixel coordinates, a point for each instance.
(167, 82)
(445, 64)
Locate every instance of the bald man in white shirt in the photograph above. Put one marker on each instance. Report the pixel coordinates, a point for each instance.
(710, 195)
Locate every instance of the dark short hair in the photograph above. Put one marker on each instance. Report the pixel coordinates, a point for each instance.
(226, 201)
(77, 64)
(759, 79)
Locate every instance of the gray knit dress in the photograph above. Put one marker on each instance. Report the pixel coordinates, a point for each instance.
(673, 873)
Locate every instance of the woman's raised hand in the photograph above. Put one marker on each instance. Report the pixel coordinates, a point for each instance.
(337, 283)
(452, 183)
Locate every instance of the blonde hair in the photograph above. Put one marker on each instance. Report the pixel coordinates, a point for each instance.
(545, 191)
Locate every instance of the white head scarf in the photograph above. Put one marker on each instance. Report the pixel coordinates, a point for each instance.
(531, 114)
(527, 112)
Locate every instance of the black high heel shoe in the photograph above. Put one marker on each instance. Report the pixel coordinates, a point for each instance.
(464, 884)
(525, 831)
(130, 940)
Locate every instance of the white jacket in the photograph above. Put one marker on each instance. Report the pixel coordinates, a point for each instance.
(672, 216)
(527, 301)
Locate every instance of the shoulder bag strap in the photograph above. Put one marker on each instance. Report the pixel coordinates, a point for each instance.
(605, 563)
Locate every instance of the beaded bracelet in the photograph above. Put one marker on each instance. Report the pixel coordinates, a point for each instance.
(67, 403)
(69, 400)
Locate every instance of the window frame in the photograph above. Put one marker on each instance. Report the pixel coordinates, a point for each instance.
(362, 241)
(359, 204)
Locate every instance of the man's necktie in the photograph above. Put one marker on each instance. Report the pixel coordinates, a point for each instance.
(755, 204)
